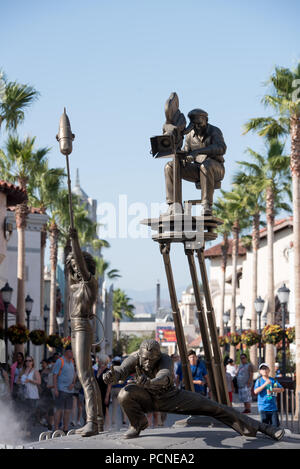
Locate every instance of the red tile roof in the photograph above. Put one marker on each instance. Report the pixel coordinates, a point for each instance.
(216, 251)
(15, 194)
(196, 342)
(278, 225)
(31, 210)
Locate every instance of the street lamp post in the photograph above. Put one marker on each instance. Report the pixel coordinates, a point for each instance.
(60, 321)
(46, 317)
(6, 293)
(240, 310)
(259, 306)
(283, 295)
(28, 309)
(226, 317)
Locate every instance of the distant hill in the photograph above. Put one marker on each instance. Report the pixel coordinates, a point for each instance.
(149, 306)
(150, 295)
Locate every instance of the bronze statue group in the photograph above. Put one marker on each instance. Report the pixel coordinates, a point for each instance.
(154, 389)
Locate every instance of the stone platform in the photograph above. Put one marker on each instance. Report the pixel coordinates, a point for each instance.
(169, 438)
(181, 433)
(183, 227)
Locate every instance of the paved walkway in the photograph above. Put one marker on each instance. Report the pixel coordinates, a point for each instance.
(169, 438)
(176, 435)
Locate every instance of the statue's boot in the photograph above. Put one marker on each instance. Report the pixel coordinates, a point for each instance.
(89, 429)
(100, 424)
(275, 433)
(174, 208)
(134, 432)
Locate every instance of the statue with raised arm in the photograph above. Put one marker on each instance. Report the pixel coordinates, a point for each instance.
(201, 160)
(154, 390)
(84, 287)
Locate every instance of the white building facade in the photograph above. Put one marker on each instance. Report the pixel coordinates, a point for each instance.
(8, 270)
(283, 273)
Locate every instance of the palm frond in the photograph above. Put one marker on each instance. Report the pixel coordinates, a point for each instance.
(268, 127)
(16, 98)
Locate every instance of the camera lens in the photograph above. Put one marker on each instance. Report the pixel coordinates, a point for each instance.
(165, 142)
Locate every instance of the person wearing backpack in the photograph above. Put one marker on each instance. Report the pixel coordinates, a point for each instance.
(267, 389)
(199, 373)
(63, 381)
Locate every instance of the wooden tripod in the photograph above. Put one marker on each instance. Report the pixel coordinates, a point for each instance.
(192, 232)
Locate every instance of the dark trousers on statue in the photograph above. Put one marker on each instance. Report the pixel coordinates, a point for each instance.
(137, 401)
(82, 339)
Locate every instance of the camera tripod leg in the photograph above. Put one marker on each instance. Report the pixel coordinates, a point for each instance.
(177, 188)
(219, 367)
(186, 370)
(209, 360)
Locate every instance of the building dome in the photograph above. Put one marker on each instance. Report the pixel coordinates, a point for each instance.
(190, 290)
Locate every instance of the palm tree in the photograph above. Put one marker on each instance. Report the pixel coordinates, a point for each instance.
(58, 227)
(20, 163)
(255, 203)
(46, 185)
(237, 207)
(121, 306)
(284, 100)
(270, 176)
(102, 267)
(53, 237)
(221, 211)
(102, 271)
(15, 98)
(268, 127)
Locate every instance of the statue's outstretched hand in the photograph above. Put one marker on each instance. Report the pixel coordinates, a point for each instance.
(141, 379)
(111, 377)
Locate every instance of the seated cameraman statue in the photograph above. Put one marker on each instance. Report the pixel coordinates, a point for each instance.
(84, 287)
(154, 390)
(204, 163)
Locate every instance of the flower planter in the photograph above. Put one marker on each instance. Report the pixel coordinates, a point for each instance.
(17, 334)
(54, 341)
(37, 337)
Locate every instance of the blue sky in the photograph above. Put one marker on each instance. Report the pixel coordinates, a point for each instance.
(113, 64)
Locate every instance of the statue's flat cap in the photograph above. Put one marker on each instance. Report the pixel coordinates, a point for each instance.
(195, 113)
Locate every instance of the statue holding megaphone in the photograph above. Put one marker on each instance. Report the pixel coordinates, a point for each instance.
(83, 288)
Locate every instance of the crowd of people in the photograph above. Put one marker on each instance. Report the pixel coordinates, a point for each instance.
(239, 380)
(53, 396)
